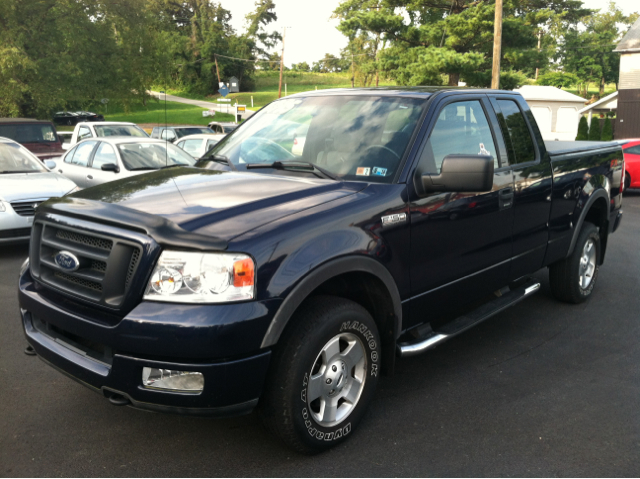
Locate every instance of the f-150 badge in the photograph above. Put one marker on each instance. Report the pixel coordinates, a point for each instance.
(394, 219)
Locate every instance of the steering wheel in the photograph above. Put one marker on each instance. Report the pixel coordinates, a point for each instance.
(383, 148)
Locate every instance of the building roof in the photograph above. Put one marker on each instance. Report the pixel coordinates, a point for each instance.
(609, 102)
(547, 93)
(631, 41)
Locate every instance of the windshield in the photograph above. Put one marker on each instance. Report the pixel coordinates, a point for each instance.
(152, 156)
(29, 133)
(120, 130)
(354, 137)
(180, 132)
(17, 159)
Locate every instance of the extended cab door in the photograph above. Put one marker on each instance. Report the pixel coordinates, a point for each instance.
(532, 182)
(460, 242)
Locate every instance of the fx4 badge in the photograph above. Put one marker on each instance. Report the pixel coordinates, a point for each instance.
(394, 219)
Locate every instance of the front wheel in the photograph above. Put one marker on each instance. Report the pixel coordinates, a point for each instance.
(323, 375)
(572, 280)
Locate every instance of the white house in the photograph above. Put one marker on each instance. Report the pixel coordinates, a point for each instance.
(555, 110)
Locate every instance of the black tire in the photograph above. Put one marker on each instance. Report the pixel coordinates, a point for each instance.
(286, 407)
(565, 275)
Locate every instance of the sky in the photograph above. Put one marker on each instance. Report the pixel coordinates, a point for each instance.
(311, 32)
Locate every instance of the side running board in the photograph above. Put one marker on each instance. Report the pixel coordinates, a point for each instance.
(462, 323)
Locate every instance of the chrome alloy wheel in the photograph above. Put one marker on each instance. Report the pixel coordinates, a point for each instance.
(587, 264)
(337, 379)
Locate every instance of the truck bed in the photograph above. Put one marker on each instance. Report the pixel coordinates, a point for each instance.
(557, 148)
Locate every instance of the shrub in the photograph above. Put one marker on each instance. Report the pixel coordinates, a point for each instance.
(594, 130)
(607, 130)
(583, 129)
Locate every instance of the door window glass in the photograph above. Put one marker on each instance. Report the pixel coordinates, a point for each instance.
(461, 129)
(210, 144)
(104, 155)
(168, 135)
(83, 153)
(516, 133)
(69, 156)
(83, 133)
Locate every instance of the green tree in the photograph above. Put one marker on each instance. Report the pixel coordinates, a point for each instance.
(607, 130)
(594, 130)
(301, 67)
(456, 36)
(583, 129)
(558, 79)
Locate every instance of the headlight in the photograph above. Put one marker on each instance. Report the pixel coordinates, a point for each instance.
(183, 277)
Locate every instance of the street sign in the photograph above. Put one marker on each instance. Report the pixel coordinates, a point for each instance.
(241, 109)
(223, 90)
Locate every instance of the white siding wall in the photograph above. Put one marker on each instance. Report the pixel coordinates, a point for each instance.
(629, 71)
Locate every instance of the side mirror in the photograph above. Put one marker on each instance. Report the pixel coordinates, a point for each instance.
(110, 167)
(461, 173)
(50, 164)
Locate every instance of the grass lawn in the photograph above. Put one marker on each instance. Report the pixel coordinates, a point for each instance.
(154, 113)
(266, 89)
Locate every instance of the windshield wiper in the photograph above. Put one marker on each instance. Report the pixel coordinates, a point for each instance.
(296, 165)
(172, 166)
(142, 168)
(220, 159)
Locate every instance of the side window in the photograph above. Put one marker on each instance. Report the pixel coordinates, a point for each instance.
(83, 133)
(192, 147)
(69, 156)
(634, 150)
(461, 128)
(83, 153)
(104, 155)
(210, 144)
(168, 135)
(517, 135)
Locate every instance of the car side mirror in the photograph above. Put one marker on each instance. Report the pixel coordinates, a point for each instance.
(50, 164)
(461, 173)
(110, 167)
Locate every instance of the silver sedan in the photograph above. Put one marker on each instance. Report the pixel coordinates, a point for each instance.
(24, 183)
(99, 160)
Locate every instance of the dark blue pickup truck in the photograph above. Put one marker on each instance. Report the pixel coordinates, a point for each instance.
(330, 234)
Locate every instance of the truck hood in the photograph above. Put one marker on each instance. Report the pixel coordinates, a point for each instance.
(225, 203)
(31, 186)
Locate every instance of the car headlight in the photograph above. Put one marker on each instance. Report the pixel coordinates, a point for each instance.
(184, 277)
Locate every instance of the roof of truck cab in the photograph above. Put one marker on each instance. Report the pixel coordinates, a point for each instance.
(22, 120)
(408, 91)
(106, 123)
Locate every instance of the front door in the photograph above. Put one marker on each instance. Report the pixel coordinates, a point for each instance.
(460, 242)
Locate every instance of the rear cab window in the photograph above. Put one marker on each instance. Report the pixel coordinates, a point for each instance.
(516, 132)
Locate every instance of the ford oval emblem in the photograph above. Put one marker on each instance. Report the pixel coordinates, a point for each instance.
(67, 261)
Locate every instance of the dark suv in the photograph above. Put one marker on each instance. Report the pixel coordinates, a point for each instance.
(38, 136)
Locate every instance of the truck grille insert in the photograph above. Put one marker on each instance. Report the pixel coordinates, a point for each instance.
(107, 262)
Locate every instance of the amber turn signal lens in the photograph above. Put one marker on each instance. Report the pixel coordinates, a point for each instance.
(243, 273)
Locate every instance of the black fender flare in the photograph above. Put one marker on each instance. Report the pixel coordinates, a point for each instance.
(597, 194)
(323, 273)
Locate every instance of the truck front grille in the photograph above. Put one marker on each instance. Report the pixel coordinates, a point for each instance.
(106, 265)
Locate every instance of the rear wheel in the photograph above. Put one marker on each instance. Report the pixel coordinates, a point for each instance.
(323, 375)
(573, 279)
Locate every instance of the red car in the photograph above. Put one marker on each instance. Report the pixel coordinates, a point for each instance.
(631, 151)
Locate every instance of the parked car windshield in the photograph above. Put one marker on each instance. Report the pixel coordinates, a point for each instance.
(180, 132)
(120, 130)
(354, 137)
(29, 132)
(16, 159)
(152, 156)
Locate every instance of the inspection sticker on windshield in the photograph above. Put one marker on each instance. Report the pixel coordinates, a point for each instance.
(377, 171)
(362, 171)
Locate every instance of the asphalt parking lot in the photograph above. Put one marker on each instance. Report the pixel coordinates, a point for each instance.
(542, 389)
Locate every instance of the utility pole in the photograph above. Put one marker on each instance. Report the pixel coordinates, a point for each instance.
(284, 32)
(539, 38)
(353, 72)
(497, 46)
(217, 70)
